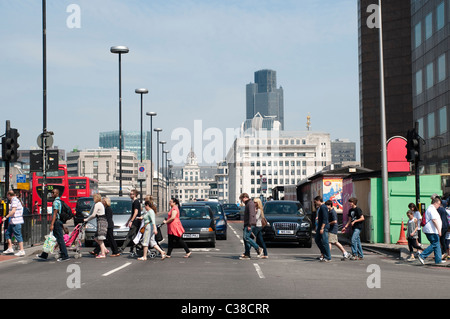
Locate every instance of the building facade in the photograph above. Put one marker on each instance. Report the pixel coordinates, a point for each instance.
(343, 151)
(264, 97)
(431, 84)
(131, 141)
(260, 160)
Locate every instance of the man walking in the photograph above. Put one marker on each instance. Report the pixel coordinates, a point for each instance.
(133, 223)
(356, 219)
(333, 231)
(249, 222)
(432, 230)
(15, 224)
(323, 226)
(57, 227)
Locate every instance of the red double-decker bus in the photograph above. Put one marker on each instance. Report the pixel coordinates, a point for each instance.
(55, 180)
(81, 187)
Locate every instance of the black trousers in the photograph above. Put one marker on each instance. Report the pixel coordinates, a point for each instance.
(413, 243)
(110, 242)
(130, 236)
(173, 240)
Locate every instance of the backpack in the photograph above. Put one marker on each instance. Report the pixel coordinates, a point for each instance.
(424, 220)
(66, 213)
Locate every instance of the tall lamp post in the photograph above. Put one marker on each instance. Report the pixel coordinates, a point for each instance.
(385, 174)
(120, 50)
(151, 114)
(157, 130)
(163, 196)
(141, 92)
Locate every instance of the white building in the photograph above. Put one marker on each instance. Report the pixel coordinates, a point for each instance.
(103, 165)
(264, 157)
(192, 181)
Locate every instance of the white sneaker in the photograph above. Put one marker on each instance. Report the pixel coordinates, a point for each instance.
(20, 253)
(9, 251)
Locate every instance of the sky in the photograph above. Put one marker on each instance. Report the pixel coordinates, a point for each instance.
(194, 56)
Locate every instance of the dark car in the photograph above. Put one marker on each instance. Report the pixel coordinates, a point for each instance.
(287, 223)
(232, 211)
(219, 216)
(198, 223)
(82, 209)
(121, 207)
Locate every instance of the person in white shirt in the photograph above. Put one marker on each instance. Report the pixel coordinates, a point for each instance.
(15, 224)
(432, 230)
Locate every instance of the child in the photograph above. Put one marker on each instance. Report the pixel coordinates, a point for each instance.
(412, 235)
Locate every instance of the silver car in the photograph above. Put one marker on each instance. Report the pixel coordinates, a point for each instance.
(121, 207)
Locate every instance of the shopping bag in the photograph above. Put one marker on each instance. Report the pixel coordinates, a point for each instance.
(49, 243)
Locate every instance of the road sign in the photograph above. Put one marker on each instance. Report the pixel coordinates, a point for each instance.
(142, 175)
(21, 178)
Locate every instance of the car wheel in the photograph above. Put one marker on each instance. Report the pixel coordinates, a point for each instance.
(306, 244)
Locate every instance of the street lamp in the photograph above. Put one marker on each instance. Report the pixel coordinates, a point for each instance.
(120, 50)
(162, 163)
(157, 130)
(151, 114)
(141, 92)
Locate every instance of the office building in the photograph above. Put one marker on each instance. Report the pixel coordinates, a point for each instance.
(264, 97)
(131, 141)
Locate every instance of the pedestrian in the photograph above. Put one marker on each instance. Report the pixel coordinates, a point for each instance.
(150, 230)
(257, 230)
(15, 216)
(432, 230)
(322, 229)
(110, 241)
(133, 223)
(333, 231)
(443, 214)
(356, 220)
(412, 234)
(56, 227)
(249, 222)
(412, 207)
(102, 224)
(175, 229)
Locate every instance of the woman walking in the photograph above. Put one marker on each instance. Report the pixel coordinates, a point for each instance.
(110, 231)
(150, 231)
(175, 229)
(257, 230)
(102, 224)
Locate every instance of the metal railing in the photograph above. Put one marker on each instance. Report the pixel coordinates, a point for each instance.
(34, 229)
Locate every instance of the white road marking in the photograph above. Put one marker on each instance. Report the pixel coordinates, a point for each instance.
(259, 271)
(115, 270)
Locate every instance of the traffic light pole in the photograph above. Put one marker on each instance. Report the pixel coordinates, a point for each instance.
(7, 172)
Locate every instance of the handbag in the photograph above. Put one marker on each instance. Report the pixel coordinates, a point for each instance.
(264, 222)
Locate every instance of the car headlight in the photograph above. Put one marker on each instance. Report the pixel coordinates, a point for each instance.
(305, 225)
(220, 223)
(206, 229)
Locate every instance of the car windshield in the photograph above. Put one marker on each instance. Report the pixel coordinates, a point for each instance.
(121, 207)
(85, 204)
(230, 206)
(193, 213)
(217, 210)
(283, 209)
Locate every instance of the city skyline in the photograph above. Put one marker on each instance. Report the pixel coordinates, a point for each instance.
(195, 59)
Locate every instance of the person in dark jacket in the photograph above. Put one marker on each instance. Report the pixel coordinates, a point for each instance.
(323, 226)
(249, 222)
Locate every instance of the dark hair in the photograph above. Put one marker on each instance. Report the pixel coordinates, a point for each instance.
(243, 195)
(176, 201)
(329, 203)
(412, 207)
(318, 199)
(353, 200)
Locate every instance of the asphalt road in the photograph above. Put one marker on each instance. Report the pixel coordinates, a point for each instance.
(217, 273)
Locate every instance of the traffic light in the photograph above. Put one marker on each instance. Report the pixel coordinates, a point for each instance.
(413, 146)
(10, 145)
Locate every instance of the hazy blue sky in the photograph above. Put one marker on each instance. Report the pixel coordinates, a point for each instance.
(194, 56)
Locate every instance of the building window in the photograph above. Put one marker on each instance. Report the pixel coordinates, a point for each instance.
(430, 75)
(440, 16)
(429, 26)
(418, 34)
(431, 126)
(419, 87)
(421, 128)
(442, 68)
(443, 120)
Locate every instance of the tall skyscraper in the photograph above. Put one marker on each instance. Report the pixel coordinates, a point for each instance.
(131, 142)
(264, 97)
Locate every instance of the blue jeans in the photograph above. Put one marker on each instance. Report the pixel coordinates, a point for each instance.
(356, 243)
(257, 231)
(59, 235)
(248, 241)
(322, 242)
(435, 247)
(15, 230)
